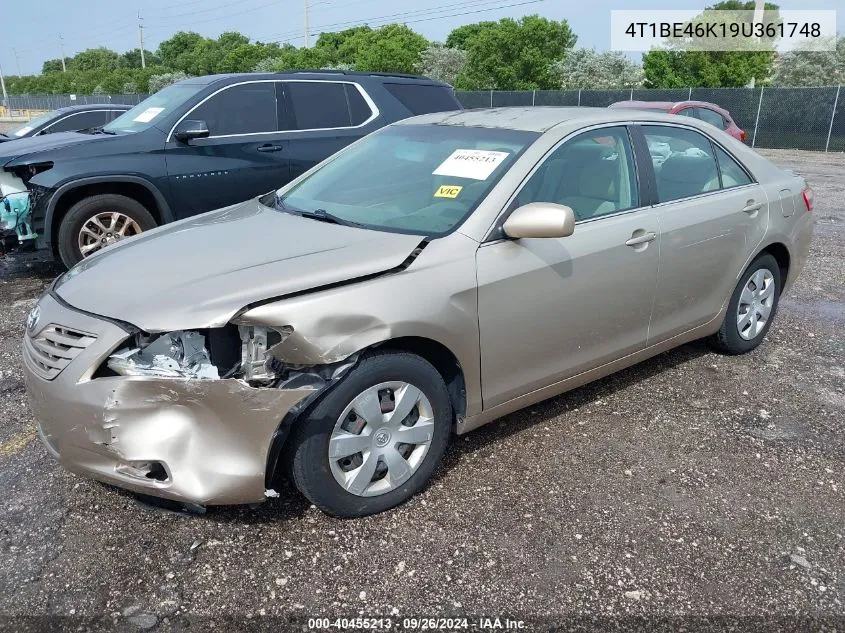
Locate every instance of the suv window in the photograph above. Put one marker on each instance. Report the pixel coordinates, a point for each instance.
(592, 173)
(711, 117)
(78, 121)
(690, 112)
(423, 98)
(317, 105)
(240, 109)
(683, 160)
(732, 174)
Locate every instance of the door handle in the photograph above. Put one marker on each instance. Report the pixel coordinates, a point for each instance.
(641, 239)
(751, 206)
(270, 148)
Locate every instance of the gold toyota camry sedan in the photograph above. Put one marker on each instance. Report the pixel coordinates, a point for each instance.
(435, 275)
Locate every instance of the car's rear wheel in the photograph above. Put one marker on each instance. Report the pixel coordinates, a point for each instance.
(98, 221)
(375, 439)
(752, 307)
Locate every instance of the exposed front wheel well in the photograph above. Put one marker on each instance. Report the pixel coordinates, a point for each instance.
(443, 360)
(133, 190)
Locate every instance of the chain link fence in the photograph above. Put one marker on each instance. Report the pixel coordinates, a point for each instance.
(26, 106)
(789, 118)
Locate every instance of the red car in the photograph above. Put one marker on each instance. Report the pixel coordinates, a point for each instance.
(708, 112)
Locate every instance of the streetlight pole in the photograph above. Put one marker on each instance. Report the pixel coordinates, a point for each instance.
(3, 86)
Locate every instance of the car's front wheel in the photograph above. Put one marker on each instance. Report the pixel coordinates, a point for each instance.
(375, 439)
(98, 221)
(751, 308)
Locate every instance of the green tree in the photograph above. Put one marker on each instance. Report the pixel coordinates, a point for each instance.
(512, 54)
(805, 66)
(102, 59)
(674, 68)
(132, 58)
(584, 68)
(442, 63)
(51, 66)
(171, 51)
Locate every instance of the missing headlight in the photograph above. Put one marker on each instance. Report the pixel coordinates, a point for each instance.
(180, 354)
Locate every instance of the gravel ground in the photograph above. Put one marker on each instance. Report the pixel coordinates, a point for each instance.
(690, 485)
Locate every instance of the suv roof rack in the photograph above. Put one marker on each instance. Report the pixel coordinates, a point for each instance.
(359, 73)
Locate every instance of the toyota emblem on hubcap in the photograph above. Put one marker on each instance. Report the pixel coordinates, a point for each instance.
(382, 438)
(32, 318)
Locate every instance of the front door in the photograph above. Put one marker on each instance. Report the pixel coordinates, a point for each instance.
(244, 155)
(712, 217)
(549, 308)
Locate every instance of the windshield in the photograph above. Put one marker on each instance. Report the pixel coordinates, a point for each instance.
(422, 179)
(153, 108)
(32, 124)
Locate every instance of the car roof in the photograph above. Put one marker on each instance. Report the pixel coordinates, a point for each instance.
(666, 105)
(532, 118)
(93, 106)
(337, 75)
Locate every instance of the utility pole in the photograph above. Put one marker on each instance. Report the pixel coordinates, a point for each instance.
(306, 24)
(17, 61)
(3, 86)
(141, 35)
(62, 49)
(759, 8)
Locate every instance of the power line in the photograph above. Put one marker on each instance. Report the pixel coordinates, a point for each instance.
(221, 17)
(401, 17)
(208, 10)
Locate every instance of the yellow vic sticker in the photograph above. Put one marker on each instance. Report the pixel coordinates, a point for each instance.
(447, 191)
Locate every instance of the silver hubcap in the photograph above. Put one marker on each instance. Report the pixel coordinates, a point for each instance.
(104, 229)
(755, 304)
(381, 438)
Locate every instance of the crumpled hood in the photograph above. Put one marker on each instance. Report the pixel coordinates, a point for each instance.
(200, 271)
(18, 148)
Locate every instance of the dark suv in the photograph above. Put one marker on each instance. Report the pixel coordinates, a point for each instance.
(69, 119)
(196, 145)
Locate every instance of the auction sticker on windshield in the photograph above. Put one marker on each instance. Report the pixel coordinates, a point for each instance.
(477, 164)
(447, 191)
(148, 115)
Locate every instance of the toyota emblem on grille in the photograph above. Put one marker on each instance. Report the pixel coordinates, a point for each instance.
(32, 318)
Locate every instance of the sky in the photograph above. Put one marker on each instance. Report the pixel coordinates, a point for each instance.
(32, 29)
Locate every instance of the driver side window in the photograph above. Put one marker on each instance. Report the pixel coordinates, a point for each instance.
(592, 173)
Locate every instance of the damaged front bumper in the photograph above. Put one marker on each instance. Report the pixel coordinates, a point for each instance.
(15, 210)
(199, 441)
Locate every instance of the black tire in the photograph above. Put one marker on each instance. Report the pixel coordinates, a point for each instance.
(87, 208)
(309, 443)
(728, 339)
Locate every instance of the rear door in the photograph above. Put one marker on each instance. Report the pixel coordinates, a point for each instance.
(323, 117)
(712, 217)
(244, 155)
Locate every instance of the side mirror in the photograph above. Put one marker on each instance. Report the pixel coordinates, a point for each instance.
(540, 219)
(190, 129)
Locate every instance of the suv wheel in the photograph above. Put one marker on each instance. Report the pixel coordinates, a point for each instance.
(96, 222)
(374, 440)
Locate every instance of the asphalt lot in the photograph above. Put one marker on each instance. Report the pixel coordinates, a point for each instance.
(693, 484)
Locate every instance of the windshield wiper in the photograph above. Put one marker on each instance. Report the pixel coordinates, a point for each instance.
(98, 130)
(326, 216)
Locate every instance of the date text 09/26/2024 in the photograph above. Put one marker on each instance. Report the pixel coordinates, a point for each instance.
(417, 624)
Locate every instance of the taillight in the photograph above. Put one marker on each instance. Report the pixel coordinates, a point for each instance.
(807, 194)
(742, 135)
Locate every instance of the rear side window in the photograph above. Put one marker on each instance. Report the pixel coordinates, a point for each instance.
(242, 109)
(423, 98)
(683, 160)
(690, 112)
(711, 117)
(79, 121)
(732, 174)
(320, 105)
